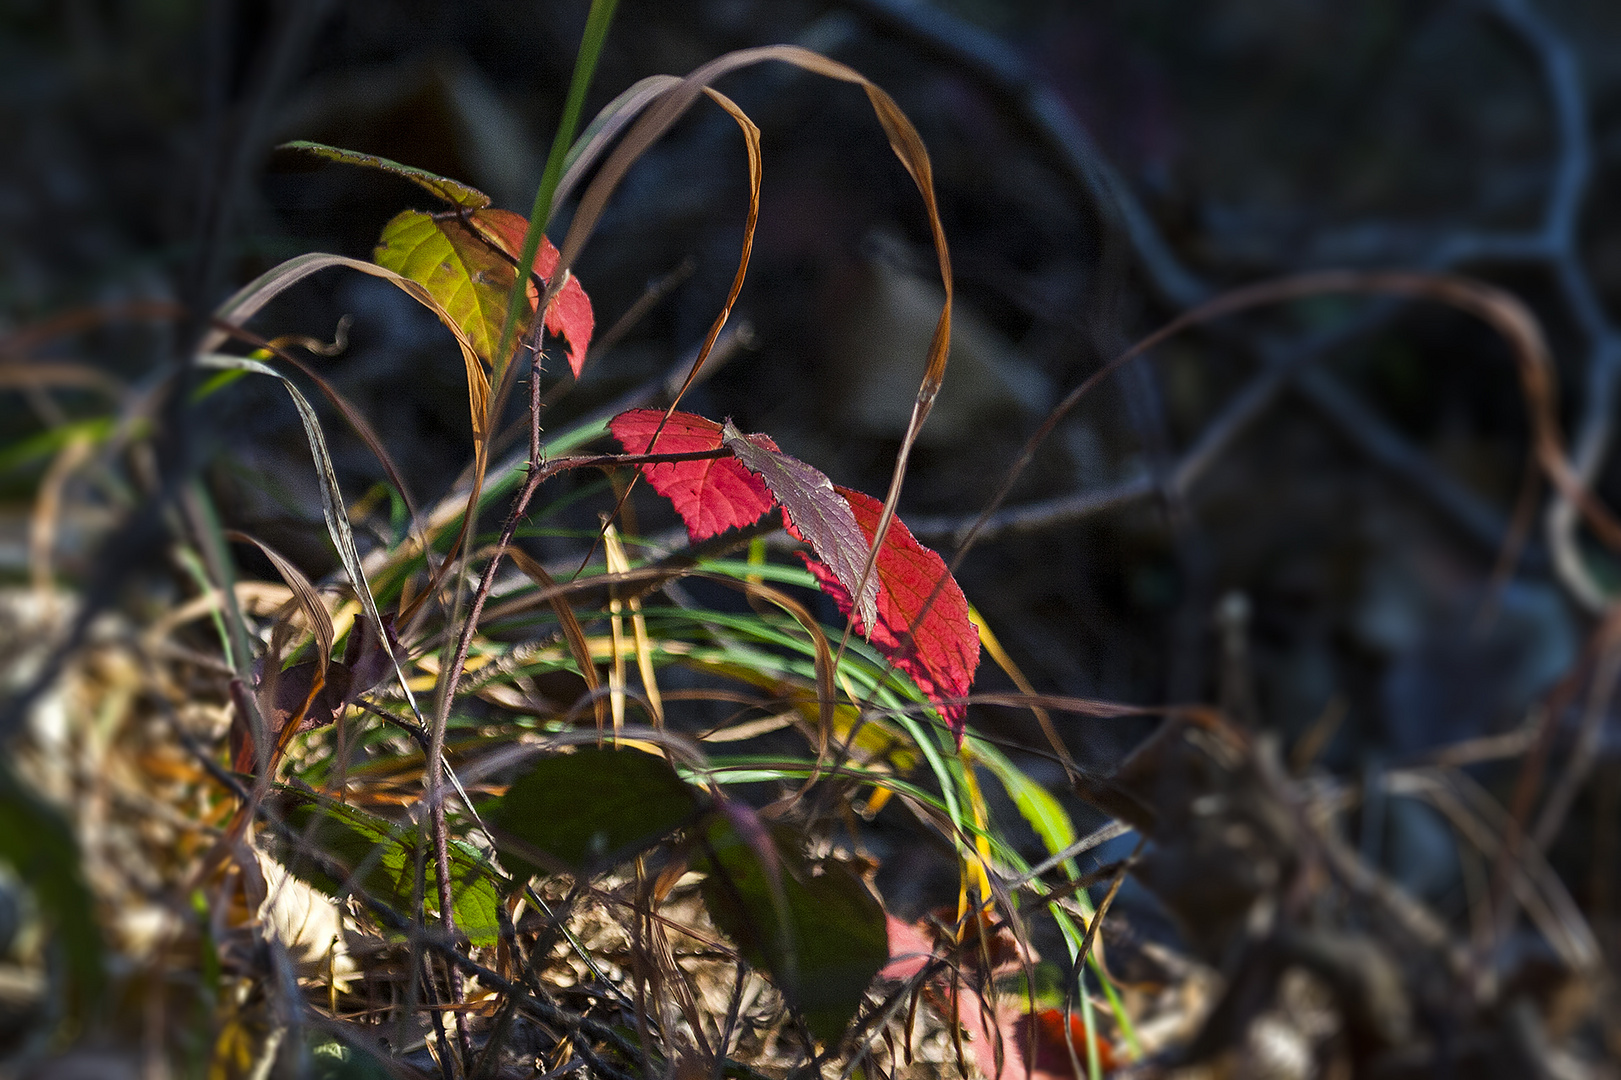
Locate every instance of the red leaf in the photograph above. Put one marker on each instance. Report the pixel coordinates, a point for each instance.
(811, 510)
(944, 649)
(710, 496)
(713, 496)
(1052, 1047)
(1012, 1037)
(996, 1030)
(569, 314)
(910, 950)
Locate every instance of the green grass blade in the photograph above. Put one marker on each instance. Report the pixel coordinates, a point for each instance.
(585, 65)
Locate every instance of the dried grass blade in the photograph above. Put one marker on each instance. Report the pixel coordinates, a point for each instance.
(644, 661)
(903, 139)
(38, 374)
(573, 632)
(308, 599)
(825, 699)
(751, 139)
(47, 513)
(604, 127)
(993, 646)
(26, 339)
(369, 436)
(616, 626)
(259, 292)
(614, 549)
(332, 507)
(649, 577)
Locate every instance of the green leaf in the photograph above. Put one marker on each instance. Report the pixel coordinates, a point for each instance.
(332, 1059)
(834, 940)
(40, 848)
(452, 191)
(468, 263)
(590, 810)
(378, 857)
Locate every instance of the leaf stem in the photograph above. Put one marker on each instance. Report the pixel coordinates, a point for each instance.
(596, 32)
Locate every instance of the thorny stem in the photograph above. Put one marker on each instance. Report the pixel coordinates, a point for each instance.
(436, 790)
(436, 746)
(538, 473)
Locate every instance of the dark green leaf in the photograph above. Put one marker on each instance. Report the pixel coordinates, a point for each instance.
(40, 848)
(834, 940)
(341, 849)
(590, 810)
(452, 191)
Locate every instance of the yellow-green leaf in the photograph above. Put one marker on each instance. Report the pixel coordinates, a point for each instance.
(465, 274)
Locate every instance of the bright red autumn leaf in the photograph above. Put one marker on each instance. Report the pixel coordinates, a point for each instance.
(569, 314)
(944, 648)
(942, 651)
(711, 496)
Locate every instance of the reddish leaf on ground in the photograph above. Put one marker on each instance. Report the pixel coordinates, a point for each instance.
(811, 510)
(944, 648)
(569, 314)
(1012, 1038)
(711, 496)
(911, 949)
(987, 937)
(995, 1034)
(1053, 1061)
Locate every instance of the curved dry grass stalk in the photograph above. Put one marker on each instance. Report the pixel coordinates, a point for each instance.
(59, 374)
(663, 110)
(1478, 818)
(309, 601)
(573, 633)
(256, 294)
(43, 522)
(337, 515)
